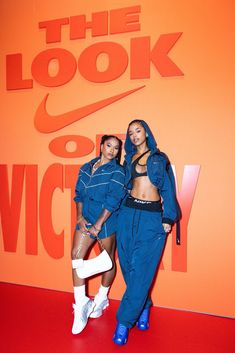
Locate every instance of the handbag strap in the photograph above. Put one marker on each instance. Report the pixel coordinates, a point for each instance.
(100, 242)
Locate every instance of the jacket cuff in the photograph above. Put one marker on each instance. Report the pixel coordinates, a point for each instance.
(109, 208)
(168, 221)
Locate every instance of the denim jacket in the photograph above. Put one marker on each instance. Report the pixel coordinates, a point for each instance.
(105, 185)
(157, 170)
(157, 173)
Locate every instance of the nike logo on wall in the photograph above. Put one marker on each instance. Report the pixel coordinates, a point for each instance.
(47, 123)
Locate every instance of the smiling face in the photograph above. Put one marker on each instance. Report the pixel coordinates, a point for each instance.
(137, 134)
(110, 148)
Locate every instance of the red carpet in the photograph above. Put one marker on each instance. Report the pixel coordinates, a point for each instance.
(39, 321)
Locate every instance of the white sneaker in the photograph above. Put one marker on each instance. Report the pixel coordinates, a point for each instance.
(81, 315)
(100, 305)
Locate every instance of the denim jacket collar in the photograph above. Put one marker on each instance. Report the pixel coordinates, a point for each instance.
(105, 166)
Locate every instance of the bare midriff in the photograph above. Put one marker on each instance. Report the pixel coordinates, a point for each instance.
(143, 189)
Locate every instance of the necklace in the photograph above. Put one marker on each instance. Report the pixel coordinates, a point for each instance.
(96, 166)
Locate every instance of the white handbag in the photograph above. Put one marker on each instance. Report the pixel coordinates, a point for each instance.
(91, 267)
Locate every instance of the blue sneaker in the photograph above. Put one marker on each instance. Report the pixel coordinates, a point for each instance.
(143, 321)
(120, 335)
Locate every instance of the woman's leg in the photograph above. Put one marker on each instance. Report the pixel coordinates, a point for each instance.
(81, 245)
(110, 246)
(101, 298)
(83, 305)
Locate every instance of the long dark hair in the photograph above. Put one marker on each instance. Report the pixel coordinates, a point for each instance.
(136, 121)
(107, 137)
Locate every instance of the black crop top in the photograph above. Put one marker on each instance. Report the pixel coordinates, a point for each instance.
(134, 172)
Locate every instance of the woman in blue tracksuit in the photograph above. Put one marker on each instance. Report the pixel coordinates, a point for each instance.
(99, 191)
(145, 217)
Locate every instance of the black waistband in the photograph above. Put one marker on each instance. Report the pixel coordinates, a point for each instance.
(153, 206)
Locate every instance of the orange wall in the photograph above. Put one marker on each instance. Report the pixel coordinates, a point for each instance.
(189, 110)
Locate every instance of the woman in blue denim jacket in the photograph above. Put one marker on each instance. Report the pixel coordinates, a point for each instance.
(146, 216)
(98, 194)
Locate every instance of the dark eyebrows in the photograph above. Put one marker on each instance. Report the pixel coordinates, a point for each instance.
(114, 144)
(135, 129)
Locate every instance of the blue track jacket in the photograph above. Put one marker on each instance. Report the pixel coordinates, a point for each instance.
(157, 164)
(104, 189)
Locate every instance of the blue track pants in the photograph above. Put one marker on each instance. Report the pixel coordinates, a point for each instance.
(140, 242)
